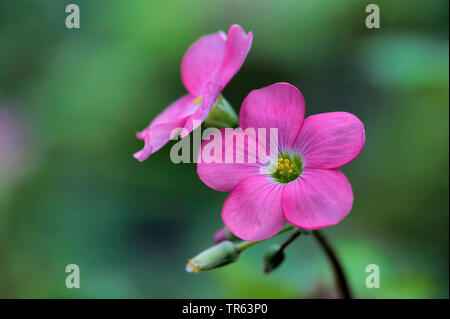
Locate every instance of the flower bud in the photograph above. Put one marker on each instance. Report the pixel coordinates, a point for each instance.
(222, 115)
(273, 258)
(217, 256)
(223, 234)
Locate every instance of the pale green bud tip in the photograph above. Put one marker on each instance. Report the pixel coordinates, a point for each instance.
(273, 258)
(217, 256)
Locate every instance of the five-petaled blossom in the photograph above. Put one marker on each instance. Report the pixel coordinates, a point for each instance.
(207, 67)
(301, 184)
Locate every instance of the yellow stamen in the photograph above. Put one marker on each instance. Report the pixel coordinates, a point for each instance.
(198, 100)
(195, 268)
(287, 168)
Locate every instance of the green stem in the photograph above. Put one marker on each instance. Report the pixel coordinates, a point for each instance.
(291, 239)
(338, 270)
(247, 244)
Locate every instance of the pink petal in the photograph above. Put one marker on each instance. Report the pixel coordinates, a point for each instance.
(253, 209)
(317, 199)
(330, 140)
(280, 105)
(215, 57)
(158, 133)
(236, 49)
(224, 171)
(210, 95)
(201, 62)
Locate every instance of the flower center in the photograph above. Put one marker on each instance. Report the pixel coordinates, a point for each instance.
(289, 168)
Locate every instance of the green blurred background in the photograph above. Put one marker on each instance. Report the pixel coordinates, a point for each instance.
(72, 100)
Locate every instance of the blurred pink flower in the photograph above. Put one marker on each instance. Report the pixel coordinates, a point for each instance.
(301, 184)
(14, 145)
(207, 67)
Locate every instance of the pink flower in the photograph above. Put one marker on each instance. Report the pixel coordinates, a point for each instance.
(301, 184)
(207, 67)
